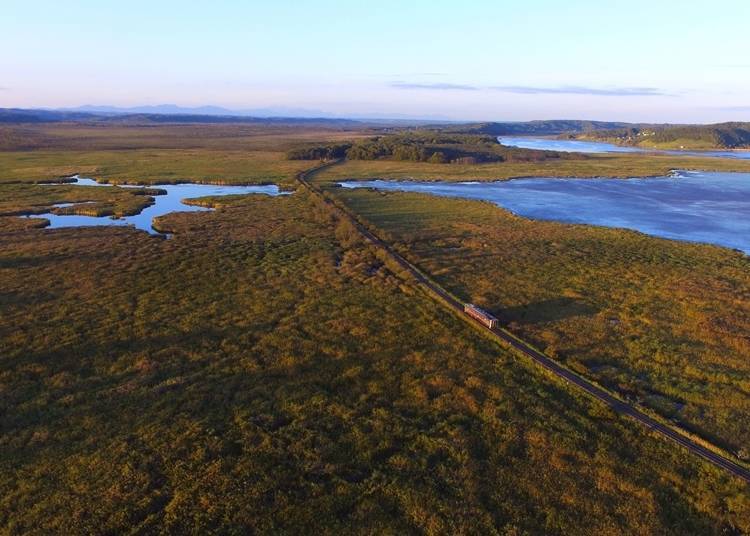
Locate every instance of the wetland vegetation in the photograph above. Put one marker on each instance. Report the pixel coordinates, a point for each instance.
(168, 198)
(691, 206)
(662, 322)
(267, 371)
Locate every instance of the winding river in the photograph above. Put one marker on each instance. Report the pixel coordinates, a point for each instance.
(172, 201)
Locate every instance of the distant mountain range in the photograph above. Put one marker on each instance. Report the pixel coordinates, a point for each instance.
(219, 111)
(173, 109)
(19, 115)
(171, 113)
(719, 136)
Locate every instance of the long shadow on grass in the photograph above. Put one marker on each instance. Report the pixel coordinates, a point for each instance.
(548, 310)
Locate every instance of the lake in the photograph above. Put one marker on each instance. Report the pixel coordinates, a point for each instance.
(579, 146)
(704, 207)
(164, 204)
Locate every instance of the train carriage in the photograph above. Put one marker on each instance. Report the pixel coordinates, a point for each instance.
(480, 314)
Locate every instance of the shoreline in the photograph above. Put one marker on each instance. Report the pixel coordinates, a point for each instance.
(675, 174)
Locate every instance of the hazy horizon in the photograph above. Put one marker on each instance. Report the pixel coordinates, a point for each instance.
(633, 61)
(301, 113)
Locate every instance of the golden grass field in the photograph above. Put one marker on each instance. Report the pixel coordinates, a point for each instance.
(265, 371)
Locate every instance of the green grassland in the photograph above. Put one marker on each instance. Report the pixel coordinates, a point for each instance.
(232, 154)
(661, 321)
(264, 371)
(152, 166)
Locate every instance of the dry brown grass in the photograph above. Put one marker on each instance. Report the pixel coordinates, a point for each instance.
(663, 321)
(85, 137)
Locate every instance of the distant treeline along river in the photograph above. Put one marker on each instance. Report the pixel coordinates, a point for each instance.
(578, 146)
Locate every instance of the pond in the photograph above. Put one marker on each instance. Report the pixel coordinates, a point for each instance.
(580, 146)
(704, 207)
(172, 201)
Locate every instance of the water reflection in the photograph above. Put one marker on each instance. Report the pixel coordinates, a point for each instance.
(694, 206)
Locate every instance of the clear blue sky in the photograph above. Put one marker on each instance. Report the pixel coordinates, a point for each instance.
(641, 60)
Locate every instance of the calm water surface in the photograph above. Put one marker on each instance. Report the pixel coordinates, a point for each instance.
(164, 204)
(578, 146)
(694, 206)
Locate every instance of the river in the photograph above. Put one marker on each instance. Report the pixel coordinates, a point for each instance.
(703, 207)
(581, 146)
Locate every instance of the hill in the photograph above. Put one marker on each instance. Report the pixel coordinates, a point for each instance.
(216, 115)
(20, 115)
(543, 128)
(717, 136)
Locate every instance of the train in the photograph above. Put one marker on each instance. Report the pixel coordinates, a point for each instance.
(480, 314)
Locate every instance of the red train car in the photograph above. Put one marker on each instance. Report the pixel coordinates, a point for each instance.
(480, 314)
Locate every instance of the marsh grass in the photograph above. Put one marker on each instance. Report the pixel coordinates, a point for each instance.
(18, 199)
(663, 322)
(264, 371)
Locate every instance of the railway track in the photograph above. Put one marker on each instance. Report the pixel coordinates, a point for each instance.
(619, 406)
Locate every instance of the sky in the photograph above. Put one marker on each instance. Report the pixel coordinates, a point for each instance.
(637, 60)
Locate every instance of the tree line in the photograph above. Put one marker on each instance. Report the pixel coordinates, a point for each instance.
(424, 146)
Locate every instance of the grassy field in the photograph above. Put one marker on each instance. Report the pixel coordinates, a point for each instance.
(661, 321)
(264, 371)
(247, 154)
(103, 137)
(152, 166)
